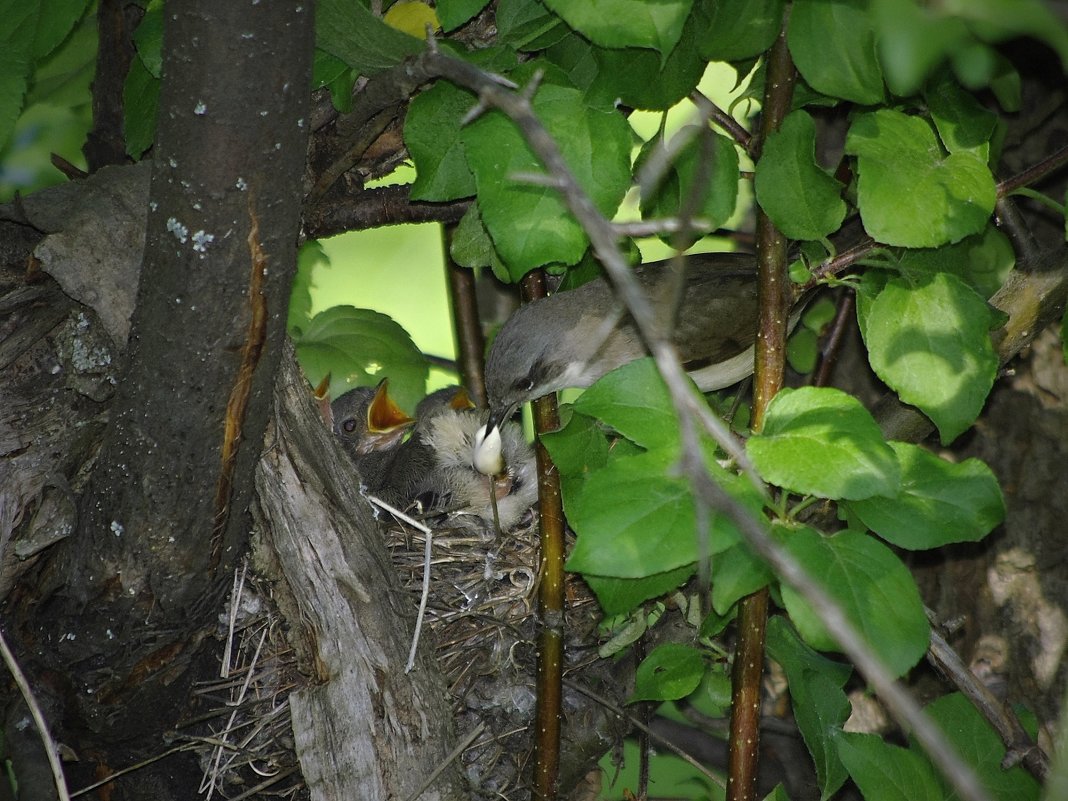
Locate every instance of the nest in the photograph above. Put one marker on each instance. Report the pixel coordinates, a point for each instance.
(481, 618)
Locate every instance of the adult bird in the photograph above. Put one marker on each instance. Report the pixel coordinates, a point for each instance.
(572, 338)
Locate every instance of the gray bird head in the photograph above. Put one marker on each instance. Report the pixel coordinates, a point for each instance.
(554, 343)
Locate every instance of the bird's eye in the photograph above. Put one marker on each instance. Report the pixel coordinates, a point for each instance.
(348, 425)
(525, 384)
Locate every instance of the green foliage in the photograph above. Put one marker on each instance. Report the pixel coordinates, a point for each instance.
(982, 749)
(819, 702)
(873, 587)
(823, 442)
(928, 337)
(670, 672)
(348, 30)
(356, 347)
(528, 223)
(626, 23)
(911, 192)
(849, 70)
(802, 200)
(704, 178)
(922, 151)
(885, 772)
(938, 502)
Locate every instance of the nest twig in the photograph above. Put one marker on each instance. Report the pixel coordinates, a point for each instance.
(251, 752)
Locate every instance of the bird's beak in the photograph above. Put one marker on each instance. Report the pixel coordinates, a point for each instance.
(497, 416)
(386, 423)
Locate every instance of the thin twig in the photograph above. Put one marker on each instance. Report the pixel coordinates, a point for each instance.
(622, 713)
(136, 766)
(51, 750)
(428, 537)
(1035, 172)
(731, 126)
(1018, 744)
(452, 756)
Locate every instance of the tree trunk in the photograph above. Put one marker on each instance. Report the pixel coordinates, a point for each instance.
(130, 597)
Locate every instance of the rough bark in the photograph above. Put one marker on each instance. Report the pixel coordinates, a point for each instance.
(363, 728)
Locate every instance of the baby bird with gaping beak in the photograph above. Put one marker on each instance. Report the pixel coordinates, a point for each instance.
(432, 471)
(371, 428)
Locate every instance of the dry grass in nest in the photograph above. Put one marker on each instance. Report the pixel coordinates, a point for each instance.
(250, 750)
(482, 612)
(482, 620)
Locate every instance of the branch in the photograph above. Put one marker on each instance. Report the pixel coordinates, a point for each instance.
(603, 240)
(775, 302)
(550, 591)
(463, 302)
(374, 208)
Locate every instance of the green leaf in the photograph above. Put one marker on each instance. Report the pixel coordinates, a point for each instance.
(708, 157)
(64, 76)
(983, 260)
(963, 123)
(472, 247)
(885, 772)
(310, 257)
(454, 13)
(736, 573)
(638, 79)
(528, 25)
(931, 343)
(939, 502)
(741, 29)
(347, 29)
(909, 191)
(833, 46)
(148, 38)
(821, 441)
(803, 350)
(632, 520)
(626, 23)
(359, 346)
(620, 595)
(819, 702)
(913, 40)
(55, 20)
(16, 61)
(634, 400)
(981, 748)
(875, 590)
(670, 672)
(777, 794)
(432, 136)
(577, 449)
(530, 224)
(801, 199)
(140, 101)
(713, 695)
